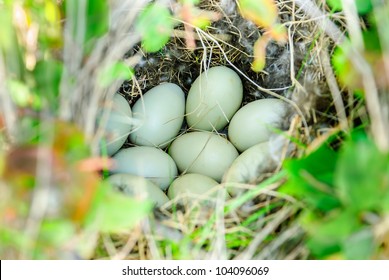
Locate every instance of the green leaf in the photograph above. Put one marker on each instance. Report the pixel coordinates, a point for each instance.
(11, 238)
(263, 13)
(311, 179)
(47, 74)
(116, 71)
(344, 69)
(363, 6)
(113, 212)
(56, 232)
(97, 18)
(155, 24)
(192, 2)
(20, 93)
(326, 235)
(89, 15)
(360, 245)
(362, 176)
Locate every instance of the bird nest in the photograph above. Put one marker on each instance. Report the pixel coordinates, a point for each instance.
(260, 223)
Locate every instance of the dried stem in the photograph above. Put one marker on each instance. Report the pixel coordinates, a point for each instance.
(335, 91)
(8, 111)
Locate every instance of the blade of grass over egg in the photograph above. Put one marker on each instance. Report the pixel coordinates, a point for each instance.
(261, 212)
(308, 54)
(207, 230)
(251, 194)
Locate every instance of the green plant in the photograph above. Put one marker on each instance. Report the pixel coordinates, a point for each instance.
(53, 203)
(346, 196)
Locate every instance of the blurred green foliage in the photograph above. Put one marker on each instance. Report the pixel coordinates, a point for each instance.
(341, 189)
(82, 206)
(363, 6)
(155, 23)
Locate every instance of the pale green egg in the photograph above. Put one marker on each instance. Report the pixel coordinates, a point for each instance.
(249, 166)
(138, 187)
(192, 186)
(213, 99)
(149, 162)
(160, 114)
(204, 153)
(117, 127)
(256, 122)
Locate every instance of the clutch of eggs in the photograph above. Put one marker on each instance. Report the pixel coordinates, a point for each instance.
(212, 103)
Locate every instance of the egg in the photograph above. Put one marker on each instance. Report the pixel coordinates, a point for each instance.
(149, 162)
(118, 126)
(253, 164)
(138, 187)
(213, 99)
(192, 186)
(160, 114)
(256, 122)
(204, 153)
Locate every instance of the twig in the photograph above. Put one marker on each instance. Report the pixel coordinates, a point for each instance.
(312, 11)
(249, 252)
(335, 92)
(7, 108)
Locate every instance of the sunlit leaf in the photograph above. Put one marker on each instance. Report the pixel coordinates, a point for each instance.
(326, 235)
(114, 212)
(263, 13)
(20, 93)
(344, 69)
(11, 239)
(52, 12)
(155, 24)
(359, 245)
(114, 72)
(259, 54)
(363, 6)
(311, 179)
(56, 232)
(362, 176)
(192, 2)
(201, 22)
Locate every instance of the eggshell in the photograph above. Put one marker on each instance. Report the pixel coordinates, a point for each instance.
(253, 123)
(160, 113)
(118, 126)
(249, 166)
(193, 186)
(213, 99)
(149, 162)
(138, 187)
(204, 153)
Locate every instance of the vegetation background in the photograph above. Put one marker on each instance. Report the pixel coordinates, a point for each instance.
(61, 60)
